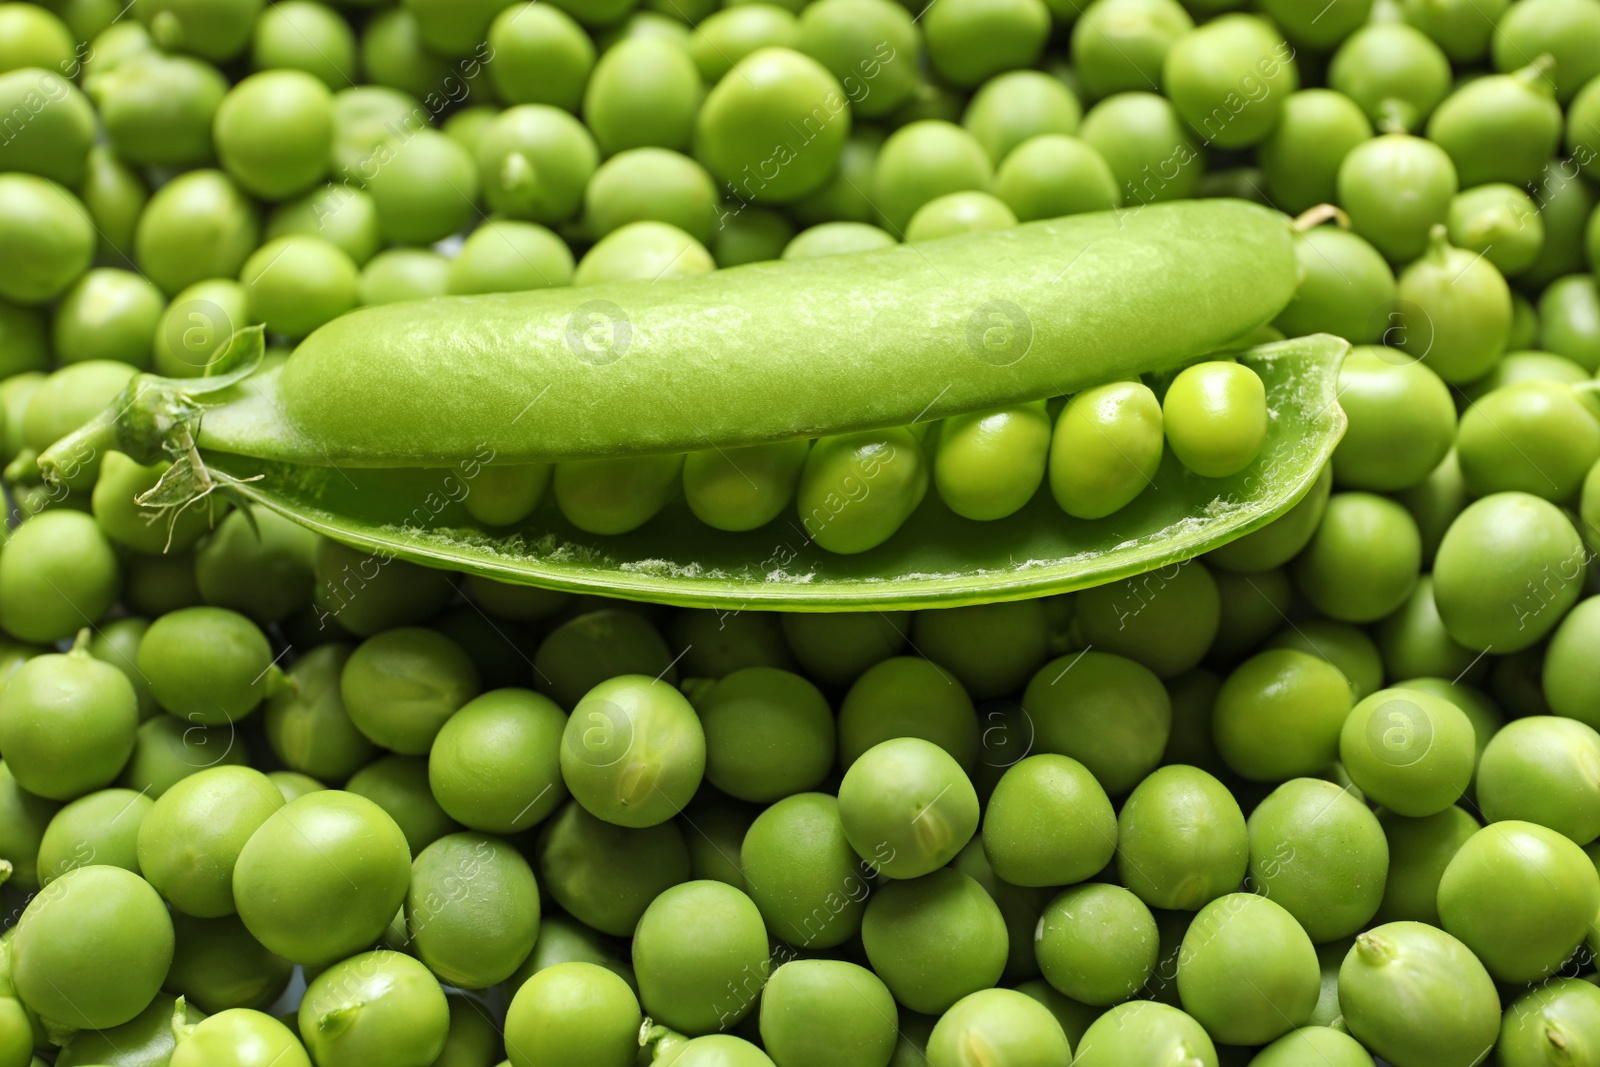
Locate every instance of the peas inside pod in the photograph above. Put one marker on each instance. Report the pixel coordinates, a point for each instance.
(810, 533)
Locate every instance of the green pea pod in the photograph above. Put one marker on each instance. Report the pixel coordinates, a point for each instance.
(375, 429)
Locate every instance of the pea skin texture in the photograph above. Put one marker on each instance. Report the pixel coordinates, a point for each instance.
(633, 752)
(1215, 417)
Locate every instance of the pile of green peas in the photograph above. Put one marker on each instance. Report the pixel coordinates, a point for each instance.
(1329, 794)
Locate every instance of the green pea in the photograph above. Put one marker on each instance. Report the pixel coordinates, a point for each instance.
(25, 340)
(191, 840)
(306, 36)
(218, 966)
(1181, 839)
(700, 952)
(27, 820)
(1215, 418)
(273, 132)
(857, 489)
(907, 807)
(1300, 159)
(1097, 943)
(837, 238)
(34, 38)
(923, 161)
(1147, 145)
(197, 226)
(836, 648)
(723, 38)
(307, 724)
(1415, 643)
(1393, 71)
(651, 184)
(1501, 222)
(1018, 105)
(644, 91)
(1345, 646)
(375, 1007)
(1318, 31)
(1105, 449)
(47, 242)
(1568, 32)
(1402, 421)
(1205, 67)
(1396, 188)
(1000, 1023)
(751, 234)
(934, 939)
(1052, 175)
(769, 734)
(495, 764)
(207, 665)
(1455, 311)
(970, 41)
(1569, 675)
(344, 216)
(366, 594)
(215, 31)
(1462, 28)
(259, 564)
(65, 721)
(1509, 567)
(158, 109)
(1549, 1022)
(1569, 320)
(365, 118)
(322, 878)
(715, 643)
(564, 940)
(1247, 971)
(1278, 715)
(109, 314)
(1106, 711)
(816, 1013)
(1165, 620)
(196, 325)
(743, 488)
(1409, 751)
(425, 187)
(1320, 853)
(295, 284)
(991, 649)
(1282, 539)
(1120, 45)
(573, 1014)
(147, 1037)
(1500, 127)
(1340, 573)
(59, 123)
(606, 875)
(393, 55)
(99, 828)
(1540, 769)
(1534, 437)
(1313, 1044)
(399, 785)
(1048, 823)
(294, 785)
(542, 56)
(236, 1038)
(472, 909)
(165, 751)
(129, 523)
(634, 751)
(1346, 288)
(871, 46)
(1419, 851)
(958, 213)
(1521, 896)
(504, 256)
(807, 881)
(403, 274)
(1565, 204)
(595, 646)
(1143, 1031)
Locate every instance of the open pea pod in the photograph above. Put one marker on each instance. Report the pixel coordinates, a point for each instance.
(373, 430)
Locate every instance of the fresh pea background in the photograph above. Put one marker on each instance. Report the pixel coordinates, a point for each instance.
(1296, 764)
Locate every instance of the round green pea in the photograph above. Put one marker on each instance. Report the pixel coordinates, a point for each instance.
(344, 216)
(958, 213)
(543, 56)
(1120, 45)
(399, 785)
(1409, 751)
(403, 274)
(1247, 971)
(425, 187)
(472, 909)
(837, 238)
(1205, 68)
(376, 1007)
(1508, 569)
(1402, 420)
(196, 326)
(67, 723)
(1454, 310)
(907, 807)
(606, 875)
(147, 1037)
(1419, 851)
(306, 36)
(190, 842)
(1415, 643)
(700, 954)
(230, 1036)
(1571, 676)
(1097, 944)
(295, 284)
(34, 37)
(1300, 159)
(991, 649)
(634, 751)
(1013, 107)
(1346, 288)
(802, 873)
(1181, 840)
(1341, 574)
(99, 913)
(59, 123)
(218, 966)
(970, 41)
(1320, 853)
(158, 109)
(1215, 418)
(1549, 1023)
(1395, 188)
(322, 878)
(1542, 769)
(573, 1014)
(1144, 1031)
(871, 46)
(47, 241)
(723, 38)
(214, 30)
(1105, 449)
(743, 488)
(258, 564)
(645, 252)
(1108, 712)
(1147, 145)
(504, 256)
(595, 646)
(769, 734)
(1278, 715)
(208, 666)
(1165, 620)
(651, 184)
(831, 505)
(836, 648)
(1532, 437)
(166, 751)
(58, 573)
(821, 1013)
(1000, 1024)
(647, 92)
(1569, 318)
(273, 132)
(197, 226)
(1048, 823)
(100, 828)
(1393, 71)
(1522, 897)
(1051, 175)
(393, 55)
(906, 696)
(934, 939)
(495, 764)
(109, 314)
(922, 161)
(1500, 221)
(1568, 32)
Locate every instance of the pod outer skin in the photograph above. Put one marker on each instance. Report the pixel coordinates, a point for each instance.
(771, 351)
